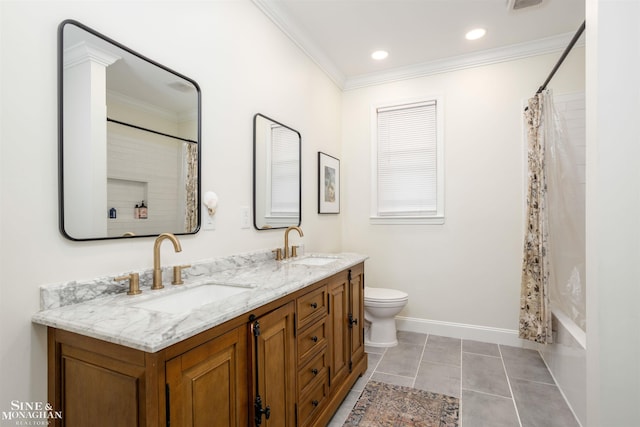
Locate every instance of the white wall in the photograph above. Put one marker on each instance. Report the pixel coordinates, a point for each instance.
(613, 213)
(466, 271)
(243, 65)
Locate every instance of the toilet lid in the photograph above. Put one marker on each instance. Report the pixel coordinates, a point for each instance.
(384, 294)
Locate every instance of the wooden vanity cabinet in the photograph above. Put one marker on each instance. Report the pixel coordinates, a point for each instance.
(313, 335)
(355, 319)
(206, 386)
(95, 383)
(273, 356)
(343, 360)
(301, 354)
(339, 354)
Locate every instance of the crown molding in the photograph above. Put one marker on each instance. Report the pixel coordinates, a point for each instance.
(461, 62)
(87, 52)
(299, 38)
(476, 59)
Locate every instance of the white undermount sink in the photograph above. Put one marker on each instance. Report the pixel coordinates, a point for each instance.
(314, 260)
(189, 299)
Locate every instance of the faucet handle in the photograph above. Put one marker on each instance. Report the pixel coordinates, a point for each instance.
(177, 274)
(278, 252)
(134, 283)
(294, 251)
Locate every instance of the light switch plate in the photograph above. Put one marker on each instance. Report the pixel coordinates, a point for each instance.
(245, 217)
(208, 222)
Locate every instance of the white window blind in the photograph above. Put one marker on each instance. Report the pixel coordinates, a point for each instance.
(284, 172)
(407, 169)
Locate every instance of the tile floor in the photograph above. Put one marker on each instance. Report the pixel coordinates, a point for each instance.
(498, 386)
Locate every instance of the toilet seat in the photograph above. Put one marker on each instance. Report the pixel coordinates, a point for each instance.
(382, 295)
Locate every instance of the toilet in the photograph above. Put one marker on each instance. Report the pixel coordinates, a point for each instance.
(380, 308)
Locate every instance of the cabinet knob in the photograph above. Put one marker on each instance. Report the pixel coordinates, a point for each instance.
(314, 305)
(314, 371)
(314, 338)
(314, 402)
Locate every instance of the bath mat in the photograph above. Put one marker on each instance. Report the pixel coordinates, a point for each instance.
(386, 405)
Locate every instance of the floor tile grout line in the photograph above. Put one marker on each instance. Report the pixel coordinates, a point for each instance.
(378, 362)
(533, 381)
(394, 375)
(424, 348)
(513, 399)
(480, 354)
(486, 394)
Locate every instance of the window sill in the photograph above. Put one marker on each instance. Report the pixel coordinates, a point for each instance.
(406, 220)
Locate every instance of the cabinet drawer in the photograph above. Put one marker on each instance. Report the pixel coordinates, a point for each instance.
(312, 339)
(315, 368)
(311, 305)
(310, 403)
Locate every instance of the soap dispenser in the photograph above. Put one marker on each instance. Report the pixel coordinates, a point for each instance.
(143, 211)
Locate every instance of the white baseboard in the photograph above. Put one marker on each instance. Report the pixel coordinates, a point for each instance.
(464, 331)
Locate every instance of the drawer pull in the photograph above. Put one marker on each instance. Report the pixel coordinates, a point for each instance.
(314, 371)
(314, 338)
(314, 305)
(314, 402)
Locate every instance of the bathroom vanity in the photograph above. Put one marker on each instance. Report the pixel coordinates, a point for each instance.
(285, 351)
(244, 340)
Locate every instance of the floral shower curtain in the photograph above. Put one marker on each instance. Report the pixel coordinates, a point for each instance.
(191, 187)
(535, 314)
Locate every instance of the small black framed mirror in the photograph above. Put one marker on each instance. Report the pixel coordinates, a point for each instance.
(129, 141)
(277, 198)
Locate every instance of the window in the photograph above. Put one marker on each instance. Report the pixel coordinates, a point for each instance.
(285, 172)
(407, 163)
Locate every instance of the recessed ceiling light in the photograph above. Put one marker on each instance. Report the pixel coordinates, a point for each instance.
(379, 54)
(475, 34)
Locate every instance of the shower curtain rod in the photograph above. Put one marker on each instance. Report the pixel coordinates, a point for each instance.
(150, 130)
(564, 55)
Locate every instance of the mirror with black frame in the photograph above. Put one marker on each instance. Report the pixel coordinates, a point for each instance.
(129, 141)
(276, 174)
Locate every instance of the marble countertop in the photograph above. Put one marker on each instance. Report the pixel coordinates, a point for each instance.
(101, 308)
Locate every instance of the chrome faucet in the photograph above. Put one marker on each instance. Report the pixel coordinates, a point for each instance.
(286, 241)
(157, 270)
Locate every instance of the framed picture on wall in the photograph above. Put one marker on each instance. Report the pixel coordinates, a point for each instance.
(328, 184)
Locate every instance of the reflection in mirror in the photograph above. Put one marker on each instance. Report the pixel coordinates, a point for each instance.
(276, 174)
(129, 141)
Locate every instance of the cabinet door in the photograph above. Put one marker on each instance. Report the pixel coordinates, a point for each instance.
(275, 368)
(100, 391)
(356, 315)
(340, 339)
(207, 386)
(96, 383)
